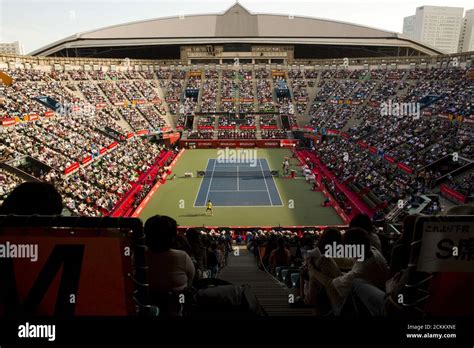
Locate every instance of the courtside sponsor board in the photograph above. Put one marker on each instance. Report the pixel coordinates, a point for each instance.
(447, 246)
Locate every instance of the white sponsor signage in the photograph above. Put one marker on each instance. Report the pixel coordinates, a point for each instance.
(447, 247)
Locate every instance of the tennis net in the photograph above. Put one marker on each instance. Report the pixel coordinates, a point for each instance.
(241, 173)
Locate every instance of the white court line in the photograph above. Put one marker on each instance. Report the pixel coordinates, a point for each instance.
(242, 206)
(265, 181)
(236, 191)
(199, 190)
(238, 178)
(276, 186)
(278, 191)
(210, 182)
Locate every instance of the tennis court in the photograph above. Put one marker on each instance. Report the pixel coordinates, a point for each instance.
(294, 203)
(238, 185)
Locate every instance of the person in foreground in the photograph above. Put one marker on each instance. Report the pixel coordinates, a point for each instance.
(169, 270)
(33, 198)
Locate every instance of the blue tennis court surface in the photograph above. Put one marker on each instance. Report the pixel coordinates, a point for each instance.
(238, 185)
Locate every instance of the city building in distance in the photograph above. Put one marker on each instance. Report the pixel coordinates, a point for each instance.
(466, 40)
(11, 48)
(436, 26)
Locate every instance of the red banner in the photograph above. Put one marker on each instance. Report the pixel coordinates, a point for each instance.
(150, 194)
(248, 127)
(86, 160)
(173, 137)
(205, 127)
(270, 144)
(227, 144)
(100, 105)
(48, 114)
(269, 127)
(469, 120)
(71, 168)
(129, 135)
(103, 150)
(345, 135)
(287, 143)
(404, 167)
(247, 144)
(374, 104)
(180, 128)
(112, 146)
(101, 261)
(143, 132)
(8, 122)
(204, 144)
(33, 117)
(362, 144)
(332, 132)
(226, 127)
(453, 194)
(372, 150)
(389, 159)
(235, 143)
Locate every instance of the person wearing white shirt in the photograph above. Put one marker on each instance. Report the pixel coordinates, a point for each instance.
(372, 268)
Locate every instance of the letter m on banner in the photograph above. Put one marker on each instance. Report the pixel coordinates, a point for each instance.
(78, 272)
(60, 274)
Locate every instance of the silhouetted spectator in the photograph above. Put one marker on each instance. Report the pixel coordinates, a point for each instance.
(169, 270)
(33, 198)
(364, 222)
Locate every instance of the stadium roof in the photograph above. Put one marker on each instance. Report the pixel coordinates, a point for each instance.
(236, 24)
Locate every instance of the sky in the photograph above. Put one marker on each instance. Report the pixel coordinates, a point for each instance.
(36, 23)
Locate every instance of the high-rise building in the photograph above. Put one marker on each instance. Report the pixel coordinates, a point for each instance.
(409, 26)
(11, 48)
(436, 26)
(466, 40)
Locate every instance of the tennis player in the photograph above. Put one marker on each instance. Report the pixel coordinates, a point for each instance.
(209, 207)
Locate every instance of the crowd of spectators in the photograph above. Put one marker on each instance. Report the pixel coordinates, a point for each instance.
(229, 90)
(66, 138)
(8, 182)
(210, 90)
(274, 134)
(463, 185)
(201, 134)
(236, 134)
